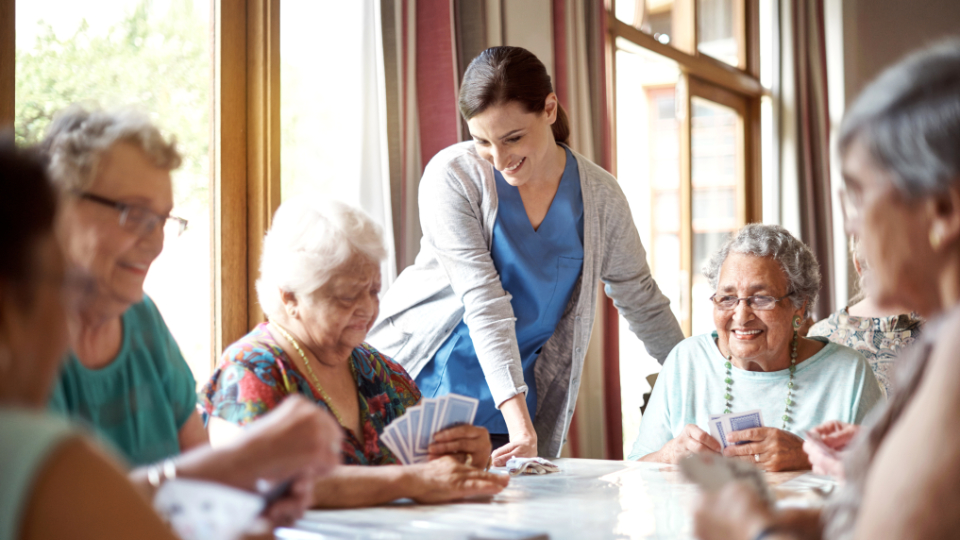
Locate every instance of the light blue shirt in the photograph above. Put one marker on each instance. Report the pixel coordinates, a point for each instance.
(27, 440)
(834, 384)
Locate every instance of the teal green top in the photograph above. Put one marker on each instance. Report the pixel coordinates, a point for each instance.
(27, 439)
(139, 401)
(836, 383)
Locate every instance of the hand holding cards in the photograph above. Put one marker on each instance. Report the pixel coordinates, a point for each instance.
(409, 436)
(721, 425)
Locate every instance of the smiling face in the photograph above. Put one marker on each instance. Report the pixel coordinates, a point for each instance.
(336, 317)
(757, 339)
(95, 243)
(518, 143)
(893, 233)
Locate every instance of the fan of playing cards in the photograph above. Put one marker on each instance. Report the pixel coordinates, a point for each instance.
(409, 436)
(721, 425)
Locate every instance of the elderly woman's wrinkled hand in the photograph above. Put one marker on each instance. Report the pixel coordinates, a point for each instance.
(295, 438)
(446, 479)
(769, 448)
(836, 436)
(463, 441)
(691, 440)
(735, 512)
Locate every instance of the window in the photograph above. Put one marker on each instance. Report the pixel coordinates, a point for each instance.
(155, 57)
(687, 110)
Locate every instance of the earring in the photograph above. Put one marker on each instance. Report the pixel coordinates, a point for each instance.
(935, 239)
(796, 322)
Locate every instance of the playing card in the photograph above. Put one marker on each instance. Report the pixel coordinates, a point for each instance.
(720, 426)
(409, 436)
(711, 472)
(459, 410)
(814, 438)
(425, 432)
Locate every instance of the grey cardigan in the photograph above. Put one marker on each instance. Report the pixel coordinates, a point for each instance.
(454, 279)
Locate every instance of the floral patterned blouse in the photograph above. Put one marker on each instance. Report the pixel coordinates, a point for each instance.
(252, 377)
(878, 339)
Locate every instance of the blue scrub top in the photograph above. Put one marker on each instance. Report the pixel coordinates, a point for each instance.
(539, 268)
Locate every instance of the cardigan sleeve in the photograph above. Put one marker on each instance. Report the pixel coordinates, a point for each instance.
(452, 221)
(628, 281)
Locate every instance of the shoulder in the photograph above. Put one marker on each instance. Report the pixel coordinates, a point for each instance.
(30, 438)
(825, 327)
(146, 315)
(457, 163)
(603, 185)
(682, 362)
(836, 357)
(256, 346)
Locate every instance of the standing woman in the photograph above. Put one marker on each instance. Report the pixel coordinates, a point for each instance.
(517, 231)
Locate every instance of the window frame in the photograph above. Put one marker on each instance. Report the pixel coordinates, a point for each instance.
(737, 87)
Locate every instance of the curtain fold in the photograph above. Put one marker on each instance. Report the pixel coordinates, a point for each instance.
(805, 139)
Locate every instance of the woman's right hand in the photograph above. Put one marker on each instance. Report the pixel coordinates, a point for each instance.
(446, 479)
(835, 435)
(691, 440)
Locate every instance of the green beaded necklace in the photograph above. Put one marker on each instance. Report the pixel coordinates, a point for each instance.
(728, 396)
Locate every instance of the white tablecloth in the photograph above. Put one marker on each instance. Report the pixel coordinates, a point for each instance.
(593, 499)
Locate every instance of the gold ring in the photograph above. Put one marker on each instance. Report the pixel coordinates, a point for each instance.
(469, 461)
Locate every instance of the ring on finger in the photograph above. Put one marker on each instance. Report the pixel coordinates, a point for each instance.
(756, 458)
(469, 461)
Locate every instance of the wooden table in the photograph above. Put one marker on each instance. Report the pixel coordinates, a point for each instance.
(587, 499)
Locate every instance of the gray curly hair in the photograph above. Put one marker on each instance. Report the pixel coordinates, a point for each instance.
(78, 137)
(795, 258)
(909, 120)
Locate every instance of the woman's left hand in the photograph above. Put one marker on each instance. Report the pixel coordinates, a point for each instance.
(473, 441)
(769, 448)
(734, 512)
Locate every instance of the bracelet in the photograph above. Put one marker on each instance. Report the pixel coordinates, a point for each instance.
(157, 474)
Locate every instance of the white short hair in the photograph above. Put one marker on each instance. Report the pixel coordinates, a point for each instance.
(307, 243)
(78, 137)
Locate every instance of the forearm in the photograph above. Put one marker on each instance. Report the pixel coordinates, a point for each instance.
(517, 417)
(222, 465)
(352, 486)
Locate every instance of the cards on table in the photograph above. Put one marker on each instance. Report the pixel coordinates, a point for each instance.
(721, 425)
(409, 436)
(712, 471)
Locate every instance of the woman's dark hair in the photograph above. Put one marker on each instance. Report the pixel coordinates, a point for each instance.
(503, 74)
(27, 209)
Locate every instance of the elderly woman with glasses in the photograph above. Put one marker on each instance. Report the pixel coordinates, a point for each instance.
(124, 375)
(766, 280)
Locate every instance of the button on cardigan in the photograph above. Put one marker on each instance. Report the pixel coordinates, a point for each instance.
(454, 279)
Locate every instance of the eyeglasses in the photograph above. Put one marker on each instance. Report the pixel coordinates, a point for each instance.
(762, 303)
(137, 219)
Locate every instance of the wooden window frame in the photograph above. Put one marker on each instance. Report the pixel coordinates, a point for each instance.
(737, 87)
(245, 163)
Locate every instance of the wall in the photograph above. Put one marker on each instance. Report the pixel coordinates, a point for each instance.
(864, 37)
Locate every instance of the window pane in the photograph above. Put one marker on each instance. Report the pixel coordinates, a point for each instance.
(717, 25)
(320, 99)
(714, 141)
(648, 167)
(153, 56)
(655, 17)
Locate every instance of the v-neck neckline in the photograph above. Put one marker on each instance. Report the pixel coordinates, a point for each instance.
(515, 198)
